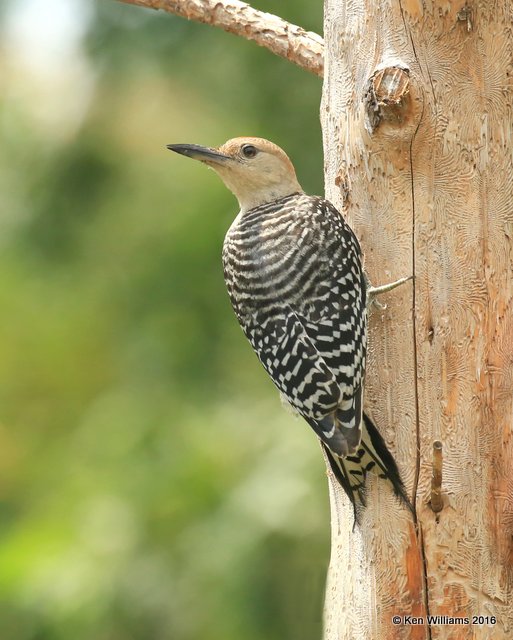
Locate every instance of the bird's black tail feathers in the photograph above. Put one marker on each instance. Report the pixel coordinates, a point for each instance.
(372, 456)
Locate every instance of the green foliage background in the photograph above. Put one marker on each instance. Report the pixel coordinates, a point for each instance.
(151, 485)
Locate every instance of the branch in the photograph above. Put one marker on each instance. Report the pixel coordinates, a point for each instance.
(289, 41)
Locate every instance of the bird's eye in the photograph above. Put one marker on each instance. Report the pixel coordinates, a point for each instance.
(249, 151)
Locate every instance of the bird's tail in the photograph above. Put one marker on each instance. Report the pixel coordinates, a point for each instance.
(372, 456)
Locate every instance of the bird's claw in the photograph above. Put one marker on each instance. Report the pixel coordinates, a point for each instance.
(381, 306)
(373, 292)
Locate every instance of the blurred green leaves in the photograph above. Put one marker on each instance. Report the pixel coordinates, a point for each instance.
(151, 485)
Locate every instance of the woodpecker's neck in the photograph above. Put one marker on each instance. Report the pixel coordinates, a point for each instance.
(274, 204)
(252, 201)
(256, 189)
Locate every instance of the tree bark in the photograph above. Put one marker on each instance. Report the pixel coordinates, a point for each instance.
(417, 122)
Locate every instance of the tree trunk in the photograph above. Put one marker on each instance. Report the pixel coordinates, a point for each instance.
(417, 122)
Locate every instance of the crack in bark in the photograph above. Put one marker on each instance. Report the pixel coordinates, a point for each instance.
(418, 526)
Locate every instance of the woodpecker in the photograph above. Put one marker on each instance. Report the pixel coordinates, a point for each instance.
(294, 274)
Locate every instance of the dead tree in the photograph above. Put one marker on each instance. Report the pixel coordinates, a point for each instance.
(417, 114)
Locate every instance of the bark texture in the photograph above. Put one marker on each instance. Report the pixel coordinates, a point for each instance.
(417, 121)
(289, 41)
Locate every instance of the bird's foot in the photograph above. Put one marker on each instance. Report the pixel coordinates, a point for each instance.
(374, 292)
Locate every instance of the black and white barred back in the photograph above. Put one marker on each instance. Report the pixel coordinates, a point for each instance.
(294, 275)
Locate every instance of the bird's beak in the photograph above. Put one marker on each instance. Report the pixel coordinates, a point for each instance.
(205, 154)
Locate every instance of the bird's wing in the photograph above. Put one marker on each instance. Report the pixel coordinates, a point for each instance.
(335, 317)
(293, 352)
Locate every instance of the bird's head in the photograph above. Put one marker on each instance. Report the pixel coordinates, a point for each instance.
(255, 170)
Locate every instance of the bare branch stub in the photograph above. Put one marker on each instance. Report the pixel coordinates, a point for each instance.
(437, 503)
(390, 85)
(387, 96)
(303, 48)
